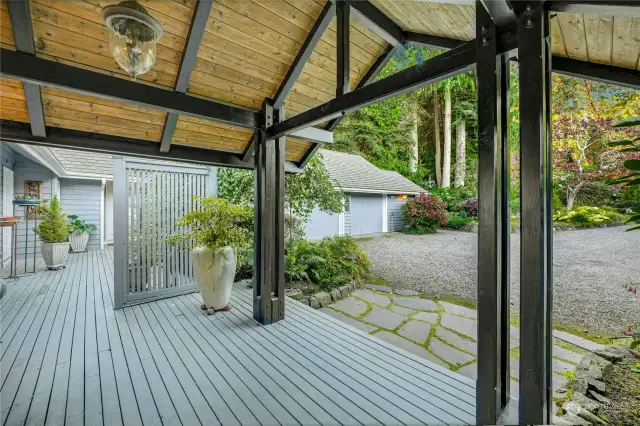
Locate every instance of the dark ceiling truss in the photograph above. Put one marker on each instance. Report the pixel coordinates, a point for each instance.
(32, 69)
(23, 37)
(190, 54)
(16, 132)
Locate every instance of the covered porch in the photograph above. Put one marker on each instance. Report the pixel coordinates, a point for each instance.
(69, 358)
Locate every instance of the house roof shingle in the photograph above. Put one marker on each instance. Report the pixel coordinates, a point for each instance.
(84, 162)
(355, 174)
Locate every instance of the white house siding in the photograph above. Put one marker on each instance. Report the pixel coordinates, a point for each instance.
(24, 170)
(366, 214)
(322, 224)
(8, 160)
(82, 198)
(394, 212)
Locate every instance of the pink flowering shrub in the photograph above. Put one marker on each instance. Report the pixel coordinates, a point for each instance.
(424, 214)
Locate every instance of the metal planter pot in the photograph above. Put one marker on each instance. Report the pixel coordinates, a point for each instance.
(55, 254)
(214, 274)
(79, 241)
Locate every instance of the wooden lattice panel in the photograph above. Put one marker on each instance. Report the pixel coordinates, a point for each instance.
(12, 103)
(91, 114)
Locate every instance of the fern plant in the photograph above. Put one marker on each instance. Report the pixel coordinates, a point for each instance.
(53, 227)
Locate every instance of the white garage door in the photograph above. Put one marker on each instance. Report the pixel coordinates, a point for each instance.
(366, 213)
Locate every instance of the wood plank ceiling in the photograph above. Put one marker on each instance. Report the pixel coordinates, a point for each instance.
(247, 48)
(602, 39)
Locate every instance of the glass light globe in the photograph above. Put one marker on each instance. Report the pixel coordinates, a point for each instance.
(133, 34)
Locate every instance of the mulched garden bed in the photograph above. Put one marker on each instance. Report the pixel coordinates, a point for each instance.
(624, 385)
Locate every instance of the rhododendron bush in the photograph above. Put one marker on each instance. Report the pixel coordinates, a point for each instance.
(424, 214)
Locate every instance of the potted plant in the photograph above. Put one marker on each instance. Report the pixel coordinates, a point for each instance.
(79, 233)
(25, 200)
(53, 231)
(219, 231)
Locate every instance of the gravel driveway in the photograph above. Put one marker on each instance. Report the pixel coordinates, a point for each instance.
(591, 270)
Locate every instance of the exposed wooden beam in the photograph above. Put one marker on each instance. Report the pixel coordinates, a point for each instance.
(189, 56)
(621, 8)
(15, 132)
(625, 77)
(31, 69)
(23, 37)
(433, 41)
(374, 19)
(250, 149)
(307, 48)
(448, 64)
(343, 78)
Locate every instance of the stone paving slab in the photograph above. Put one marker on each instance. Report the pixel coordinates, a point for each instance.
(371, 297)
(578, 341)
(421, 304)
(459, 310)
(384, 318)
(470, 371)
(367, 328)
(402, 310)
(351, 306)
(416, 330)
(406, 292)
(382, 288)
(430, 317)
(466, 326)
(402, 343)
(449, 353)
(455, 331)
(457, 341)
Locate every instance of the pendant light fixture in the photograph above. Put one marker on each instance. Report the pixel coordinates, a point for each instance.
(133, 34)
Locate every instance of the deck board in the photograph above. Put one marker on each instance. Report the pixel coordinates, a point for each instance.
(69, 358)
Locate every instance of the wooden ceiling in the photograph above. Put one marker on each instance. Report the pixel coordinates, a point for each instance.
(601, 39)
(247, 48)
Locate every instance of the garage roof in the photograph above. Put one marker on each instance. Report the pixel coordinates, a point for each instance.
(355, 174)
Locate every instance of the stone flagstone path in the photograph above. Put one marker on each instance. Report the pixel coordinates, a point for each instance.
(441, 332)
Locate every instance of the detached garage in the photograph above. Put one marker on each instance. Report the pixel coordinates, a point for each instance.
(373, 198)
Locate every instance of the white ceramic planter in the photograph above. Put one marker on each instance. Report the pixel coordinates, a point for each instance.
(214, 274)
(78, 241)
(55, 254)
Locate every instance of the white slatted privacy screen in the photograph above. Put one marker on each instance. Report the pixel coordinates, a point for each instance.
(149, 198)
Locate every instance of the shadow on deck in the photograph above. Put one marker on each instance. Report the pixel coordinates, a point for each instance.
(69, 358)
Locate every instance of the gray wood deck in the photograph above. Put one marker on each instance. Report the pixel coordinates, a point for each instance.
(68, 358)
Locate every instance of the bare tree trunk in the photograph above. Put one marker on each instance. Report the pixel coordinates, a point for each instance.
(461, 151)
(446, 157)
(572, 193)
(413, 158)
(436, 120)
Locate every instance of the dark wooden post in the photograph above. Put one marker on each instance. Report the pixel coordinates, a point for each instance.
(268, 288)
(492, 391)
(536, 233)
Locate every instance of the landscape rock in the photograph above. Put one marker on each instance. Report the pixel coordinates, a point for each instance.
(572, 419)
(344, 291)
(600, 398)
(609, 355)
(572, 407)
(404, 292)
(324, 298)
(598, 386)
(593, 367)
(305, 301)
(335, 295)
(314, 302)
(382, 288)
(352, 285)
(586, 403)
(580, 386)
(591, 418)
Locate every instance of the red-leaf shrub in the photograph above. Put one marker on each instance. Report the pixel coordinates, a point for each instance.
(470, 207)
(424, 214)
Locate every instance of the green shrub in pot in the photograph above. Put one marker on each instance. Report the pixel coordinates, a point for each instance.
(53, 231)
(79, 233)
